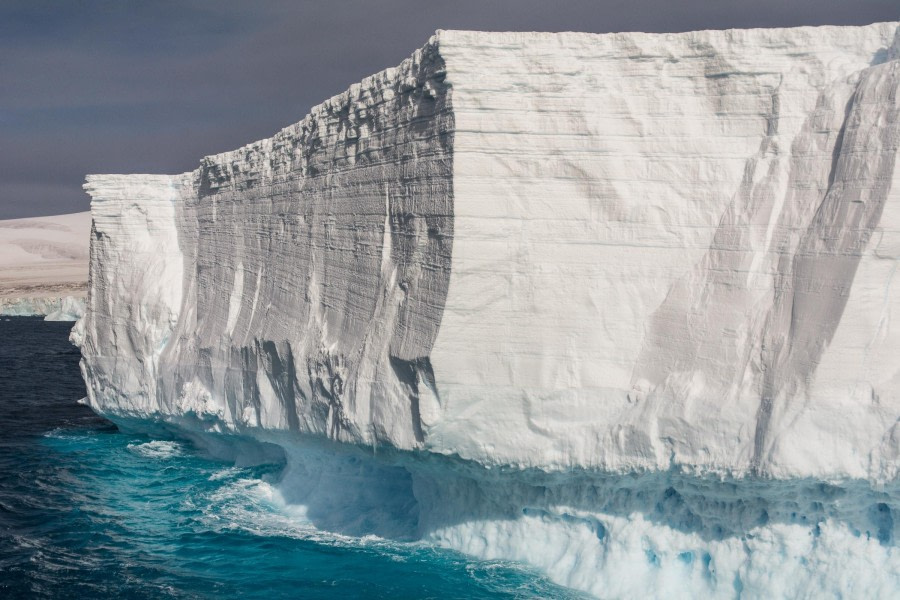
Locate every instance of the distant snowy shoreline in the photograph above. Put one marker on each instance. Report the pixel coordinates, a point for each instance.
(43, 266)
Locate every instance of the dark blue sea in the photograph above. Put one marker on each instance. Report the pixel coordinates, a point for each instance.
(87, 511)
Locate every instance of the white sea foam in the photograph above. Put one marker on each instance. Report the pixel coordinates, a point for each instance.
(224, 474)
(641, 559)
(158, 449)
(651, 535)
(258, 507)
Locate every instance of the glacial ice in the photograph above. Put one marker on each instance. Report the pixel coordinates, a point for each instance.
(67, 308)
(70, 309)
(618, 306)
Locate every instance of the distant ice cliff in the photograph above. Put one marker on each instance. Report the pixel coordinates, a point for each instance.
(68, 308)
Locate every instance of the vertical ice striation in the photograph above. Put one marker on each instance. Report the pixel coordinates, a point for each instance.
(604, 252)
(135, 236)
(297, 283)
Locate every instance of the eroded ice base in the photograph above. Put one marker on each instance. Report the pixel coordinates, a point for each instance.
(641, 535)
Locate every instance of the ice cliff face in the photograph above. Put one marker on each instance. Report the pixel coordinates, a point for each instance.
(68, 308)
(609, 252)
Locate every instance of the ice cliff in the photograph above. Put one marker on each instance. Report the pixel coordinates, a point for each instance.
(547, 254)
(553, 250)
(67, 308)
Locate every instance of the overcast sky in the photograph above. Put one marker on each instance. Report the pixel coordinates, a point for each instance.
(151, 86)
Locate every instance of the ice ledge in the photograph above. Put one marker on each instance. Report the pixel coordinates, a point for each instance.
(647, 535)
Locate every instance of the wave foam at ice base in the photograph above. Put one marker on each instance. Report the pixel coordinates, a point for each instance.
(613, 536)
(641, 559)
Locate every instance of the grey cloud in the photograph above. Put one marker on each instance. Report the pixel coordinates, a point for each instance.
(151, 86)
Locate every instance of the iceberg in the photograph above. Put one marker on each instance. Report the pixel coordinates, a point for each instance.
(618, 306)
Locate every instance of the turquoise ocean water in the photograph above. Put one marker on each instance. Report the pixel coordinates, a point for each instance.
(87, 511)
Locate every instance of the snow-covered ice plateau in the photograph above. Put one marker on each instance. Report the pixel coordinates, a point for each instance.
(619, 306)
(44, 266)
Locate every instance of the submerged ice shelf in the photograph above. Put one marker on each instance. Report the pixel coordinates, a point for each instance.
(556, 258)
(649, 535)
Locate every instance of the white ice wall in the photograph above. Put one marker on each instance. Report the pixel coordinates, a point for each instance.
(628, 208)
(134, 289)
(555, 250)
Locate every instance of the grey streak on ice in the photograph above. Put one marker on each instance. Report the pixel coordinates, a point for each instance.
(356, 203)
(815, 254)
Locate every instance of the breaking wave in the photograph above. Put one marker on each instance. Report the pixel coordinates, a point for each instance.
(121, 515)
(646, 535)
(156, 449)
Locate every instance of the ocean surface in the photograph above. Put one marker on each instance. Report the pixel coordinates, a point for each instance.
(87, 511)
